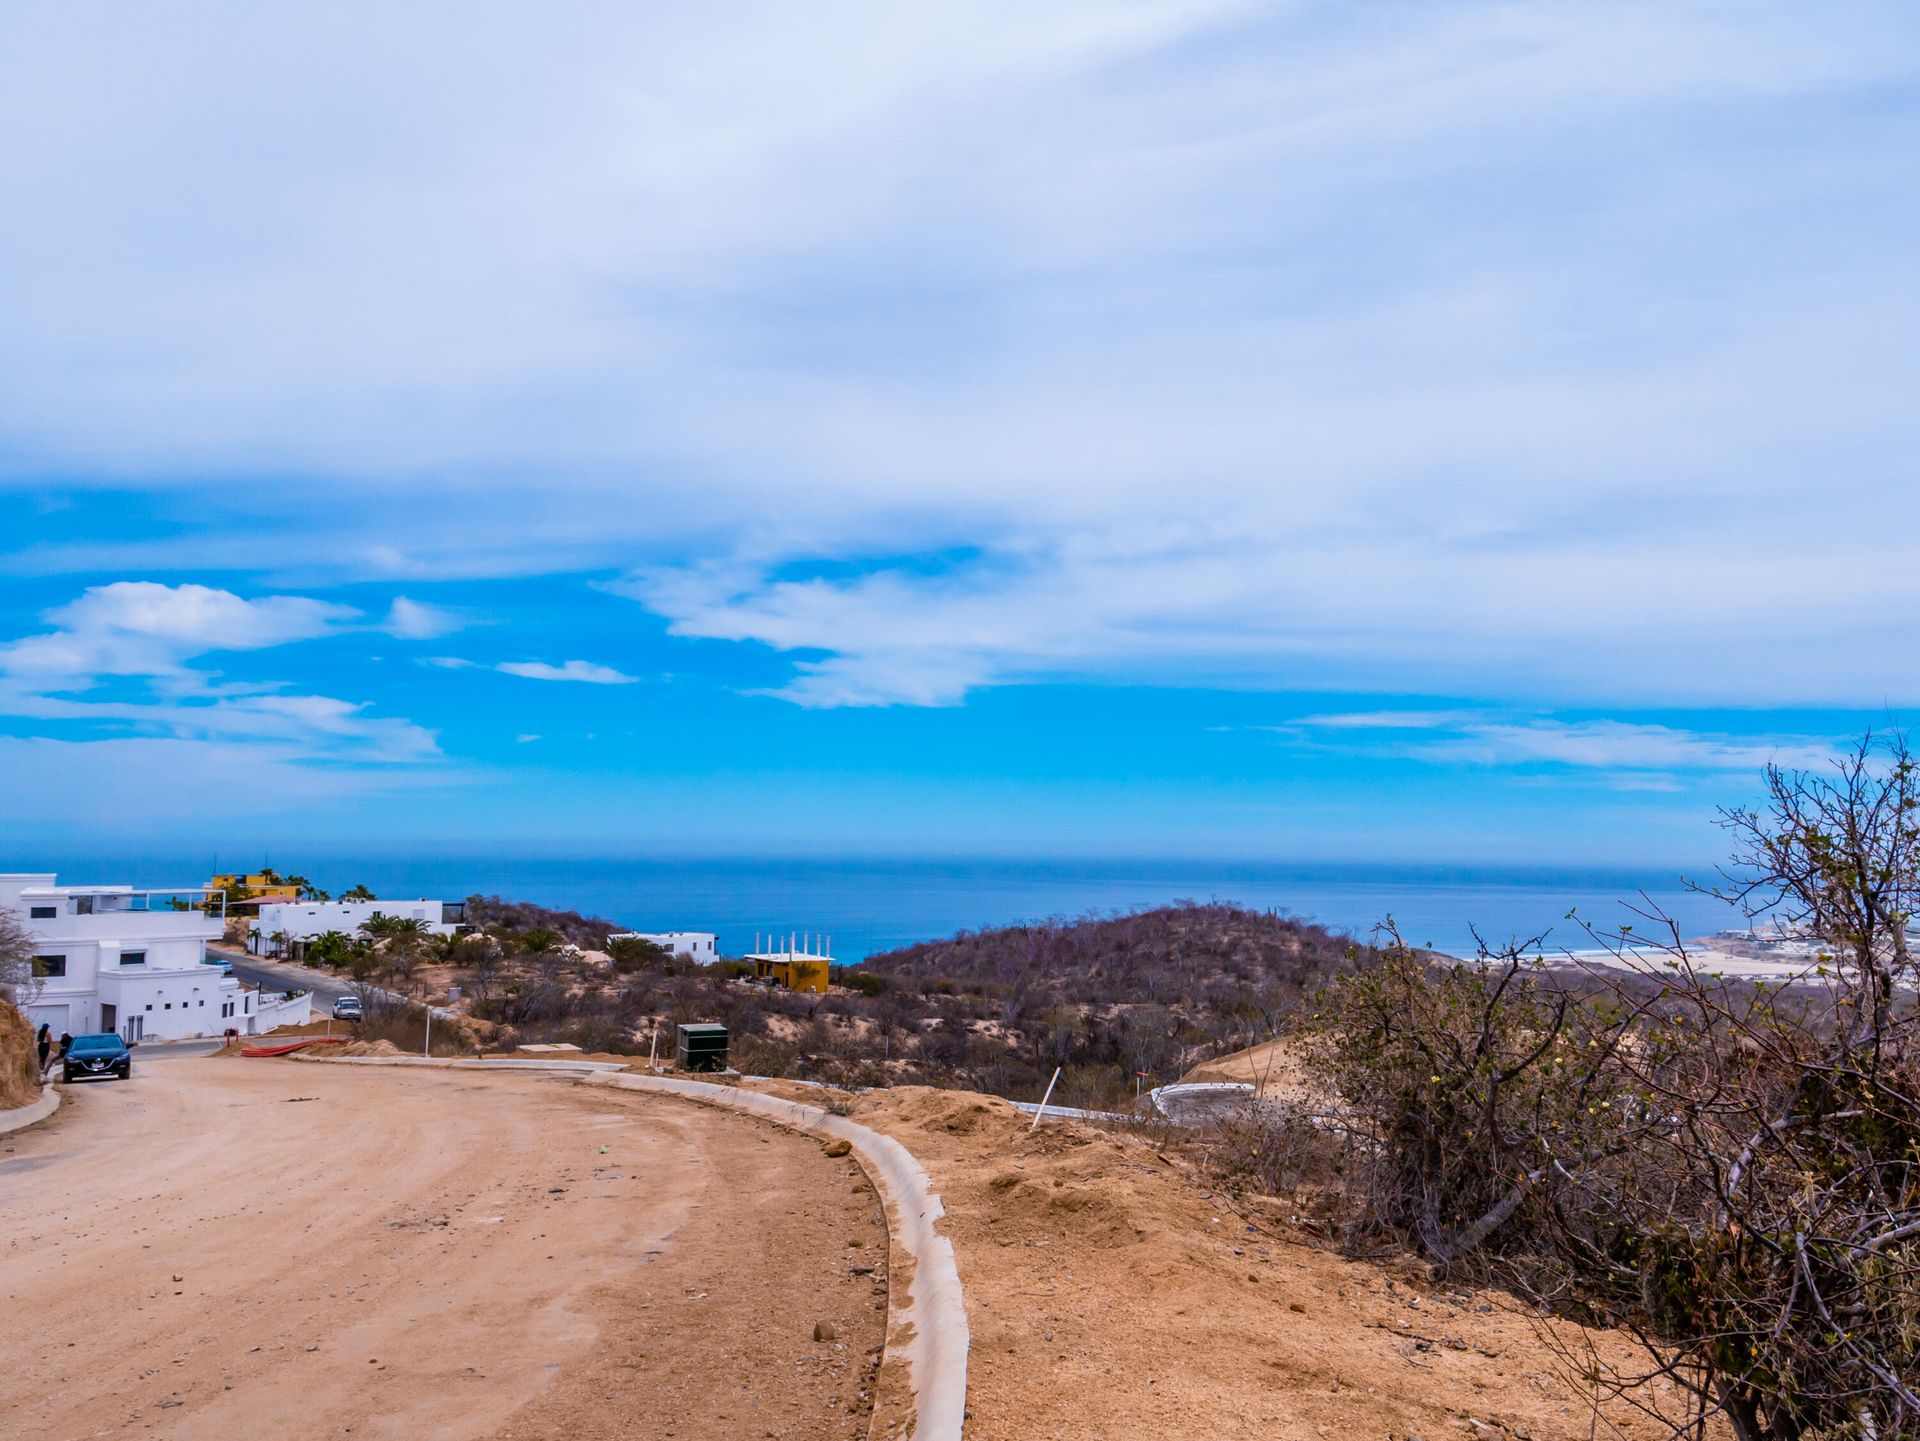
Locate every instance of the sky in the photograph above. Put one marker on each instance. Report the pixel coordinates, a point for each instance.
(1428, 432)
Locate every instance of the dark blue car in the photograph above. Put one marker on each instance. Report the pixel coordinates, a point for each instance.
(97, 1058)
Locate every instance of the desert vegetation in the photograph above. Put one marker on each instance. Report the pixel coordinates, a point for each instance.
(1731, 1174)
(1105, 998)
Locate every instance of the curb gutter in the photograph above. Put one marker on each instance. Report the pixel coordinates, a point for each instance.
(21, 1117)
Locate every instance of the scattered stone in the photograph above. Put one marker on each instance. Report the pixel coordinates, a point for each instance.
(836, 1149)
(823, 1331)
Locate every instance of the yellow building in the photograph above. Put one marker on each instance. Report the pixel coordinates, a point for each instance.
(261, 886)
(798, 967)
(802, 973)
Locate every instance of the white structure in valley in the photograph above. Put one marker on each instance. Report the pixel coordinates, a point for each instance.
(702, 947)
(112, 958)
(284, 927)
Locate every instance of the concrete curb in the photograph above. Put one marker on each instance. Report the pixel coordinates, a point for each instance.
(931, 1321)
(20, 1117)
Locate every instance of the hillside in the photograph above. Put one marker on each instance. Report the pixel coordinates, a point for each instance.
(587, 932)
(1206, 956)
(1114, 1001)
(19, 1066)
(1109, 997)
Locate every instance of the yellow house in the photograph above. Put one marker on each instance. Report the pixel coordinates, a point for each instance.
(796, 973)
(261, 886)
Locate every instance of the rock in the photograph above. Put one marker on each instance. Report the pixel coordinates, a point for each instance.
(1296, 1306)
(837, 1149)
(823, 1331)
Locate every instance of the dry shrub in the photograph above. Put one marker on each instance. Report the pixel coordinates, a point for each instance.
(19, 1061)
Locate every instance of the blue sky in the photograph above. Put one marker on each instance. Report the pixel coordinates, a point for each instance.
(1428, 432)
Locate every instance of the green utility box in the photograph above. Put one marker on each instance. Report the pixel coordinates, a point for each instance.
(703, 1047)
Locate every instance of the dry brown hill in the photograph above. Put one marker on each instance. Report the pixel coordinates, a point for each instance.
(19, 1065)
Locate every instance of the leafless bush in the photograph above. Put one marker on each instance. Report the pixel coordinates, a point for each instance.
(1732, 1174)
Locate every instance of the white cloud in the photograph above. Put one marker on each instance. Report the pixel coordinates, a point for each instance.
(575, 670)
(148, 631)
(1464, 347)
(144, 628)
(1652, 751)
(415, 620)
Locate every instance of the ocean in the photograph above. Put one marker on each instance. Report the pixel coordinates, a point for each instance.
(869, 906)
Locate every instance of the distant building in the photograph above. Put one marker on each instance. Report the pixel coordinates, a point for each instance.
(262, 887)
(285, 927)
(701, 947)
(112, 958)
(796, 966)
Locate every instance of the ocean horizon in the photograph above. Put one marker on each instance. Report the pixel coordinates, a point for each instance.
(868, 906)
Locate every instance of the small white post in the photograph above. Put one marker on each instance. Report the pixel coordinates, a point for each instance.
(426, 1045)
(1044, 1099)
(653, 1046)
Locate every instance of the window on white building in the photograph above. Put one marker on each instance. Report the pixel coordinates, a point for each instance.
(51, 966)
(133, 958)
(42, 913)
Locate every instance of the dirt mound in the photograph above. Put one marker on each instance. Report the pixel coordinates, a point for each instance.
(1273, 1069)
(959, 1113)
(359, 1048)
(1111, 1291)
(19, 1062)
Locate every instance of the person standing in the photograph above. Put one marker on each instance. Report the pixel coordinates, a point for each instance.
(45, 1042)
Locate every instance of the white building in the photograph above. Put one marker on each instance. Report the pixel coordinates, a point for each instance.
(284, 927)
(112, 958)
(702, 947)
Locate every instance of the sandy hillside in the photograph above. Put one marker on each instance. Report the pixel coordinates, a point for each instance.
(1111, 1293)
(1271, 1068)
(19, 1062)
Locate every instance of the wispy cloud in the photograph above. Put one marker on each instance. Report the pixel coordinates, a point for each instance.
(1643, 753)
(142, 628)
(415, 620)
(147, 632)
(573, 670)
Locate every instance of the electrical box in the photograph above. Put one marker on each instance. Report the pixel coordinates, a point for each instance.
(703, 1047)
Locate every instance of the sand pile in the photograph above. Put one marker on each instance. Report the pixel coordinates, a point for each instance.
(1111, 1292)
(19, 1062)
(1273, 1069)
(355, 1048)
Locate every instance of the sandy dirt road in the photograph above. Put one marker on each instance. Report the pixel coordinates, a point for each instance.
(230, 1248)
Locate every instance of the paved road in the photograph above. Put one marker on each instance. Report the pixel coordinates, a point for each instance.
(226, 1247)
(327, 986)
(281, 976)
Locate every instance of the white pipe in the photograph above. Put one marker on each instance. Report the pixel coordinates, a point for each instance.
(1048, 1097)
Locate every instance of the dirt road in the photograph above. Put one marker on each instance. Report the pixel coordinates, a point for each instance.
(225, 1248)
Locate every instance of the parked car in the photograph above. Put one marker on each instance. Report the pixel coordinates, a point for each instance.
(97, 1057)
(346, 1008)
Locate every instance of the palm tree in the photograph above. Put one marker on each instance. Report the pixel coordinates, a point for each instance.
(306, 889)
(358, 893)
(379, 926)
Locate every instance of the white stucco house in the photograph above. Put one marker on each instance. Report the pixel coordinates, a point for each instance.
(702, 947)
(283, 928)
(112, 958)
